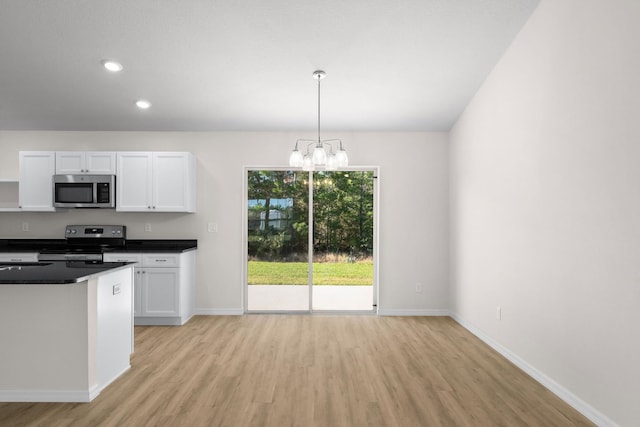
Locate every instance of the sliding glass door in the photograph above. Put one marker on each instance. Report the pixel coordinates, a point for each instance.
(342, 241)
(310, 241)
(277, 240)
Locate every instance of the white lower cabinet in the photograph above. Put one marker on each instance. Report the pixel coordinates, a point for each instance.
(160, 292)
(164, 286)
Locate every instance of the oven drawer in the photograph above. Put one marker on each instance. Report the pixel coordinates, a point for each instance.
(122, 257)
(161, 260)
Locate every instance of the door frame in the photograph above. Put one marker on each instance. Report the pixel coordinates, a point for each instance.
(376, 228)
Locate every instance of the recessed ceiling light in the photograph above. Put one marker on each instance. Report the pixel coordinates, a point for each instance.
(143, 104)
(112, 66)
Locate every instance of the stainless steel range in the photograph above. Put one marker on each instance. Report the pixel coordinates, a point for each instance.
(86, 243)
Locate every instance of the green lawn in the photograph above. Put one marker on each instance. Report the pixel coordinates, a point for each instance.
(325, 273)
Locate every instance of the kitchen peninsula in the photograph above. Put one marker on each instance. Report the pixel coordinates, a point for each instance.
(66, 329)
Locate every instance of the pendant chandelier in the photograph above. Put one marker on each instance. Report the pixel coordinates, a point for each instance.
(323, 154)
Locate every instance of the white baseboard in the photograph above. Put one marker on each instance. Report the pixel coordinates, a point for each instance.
(77, 396)
(45, 396)
(381, 312)
(219, 311)
(579, 405)
(410, 312)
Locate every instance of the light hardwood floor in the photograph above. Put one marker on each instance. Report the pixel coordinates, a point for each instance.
(296, 370)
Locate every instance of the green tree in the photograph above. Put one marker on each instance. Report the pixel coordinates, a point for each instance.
(265, 238)
(343, 213)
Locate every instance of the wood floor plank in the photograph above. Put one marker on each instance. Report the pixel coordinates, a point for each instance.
(288, 370)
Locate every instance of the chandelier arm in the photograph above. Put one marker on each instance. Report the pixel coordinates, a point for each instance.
(330, 142)
(305, 141)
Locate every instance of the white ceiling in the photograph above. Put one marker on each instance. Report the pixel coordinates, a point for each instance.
(209, 65)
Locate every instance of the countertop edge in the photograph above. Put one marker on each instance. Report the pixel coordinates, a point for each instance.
(115, 266)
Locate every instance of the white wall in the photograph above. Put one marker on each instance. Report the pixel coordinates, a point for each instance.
(546, 203)
(413, 205)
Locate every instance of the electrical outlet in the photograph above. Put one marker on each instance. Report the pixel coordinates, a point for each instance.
(212, 227)
(116, 289)
(25, 226)
(499, 313)
(418, 287)
(147, 227)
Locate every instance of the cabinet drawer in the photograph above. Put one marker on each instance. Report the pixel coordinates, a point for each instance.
(19, 257)
(122, 257)
(161, 260)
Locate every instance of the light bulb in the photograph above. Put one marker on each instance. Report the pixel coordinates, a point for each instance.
(319, 155)
(332, 163)
(112, 66)
(296, 159)
(307, 164)
(143, 104)
(342, 159)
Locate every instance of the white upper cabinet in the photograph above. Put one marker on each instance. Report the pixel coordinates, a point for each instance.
(174, 179)
(35, 187)
(156, 182)
(133, 182)
(86, 162)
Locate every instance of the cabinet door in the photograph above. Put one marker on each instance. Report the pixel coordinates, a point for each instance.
(70, 162)
(160, 292)
(173, 182)
(35, 190)
(100, 162)
(133, 181)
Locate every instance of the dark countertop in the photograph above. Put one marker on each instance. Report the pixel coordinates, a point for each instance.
(52, 272)
(132, 245)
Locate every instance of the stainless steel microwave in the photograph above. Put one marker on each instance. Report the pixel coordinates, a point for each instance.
(84, 191)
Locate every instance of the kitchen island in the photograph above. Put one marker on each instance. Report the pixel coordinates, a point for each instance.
(66, 329)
